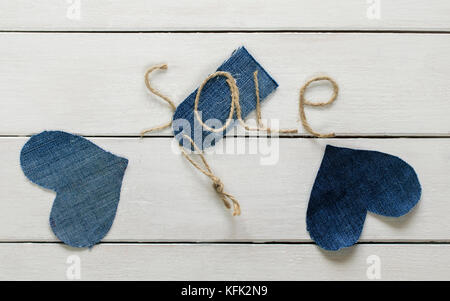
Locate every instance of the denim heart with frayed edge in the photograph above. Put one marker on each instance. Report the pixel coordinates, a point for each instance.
(351, 182)
(87, 181)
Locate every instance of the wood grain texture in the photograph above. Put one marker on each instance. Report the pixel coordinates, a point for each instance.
(223, 262)
(391, 84)
(155, 15)
(92, 84)
(164, 199)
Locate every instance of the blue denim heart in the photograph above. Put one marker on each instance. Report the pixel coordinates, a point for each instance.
(87, 181)
(214, 102)
(351, 182)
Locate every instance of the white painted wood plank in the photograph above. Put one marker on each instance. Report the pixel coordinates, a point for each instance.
(224, 262)
(224, 15)
(165, 199)
(93, 83)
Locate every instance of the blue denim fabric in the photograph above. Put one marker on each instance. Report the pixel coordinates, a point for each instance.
(351, 182)
(215, 98)
(87, 181)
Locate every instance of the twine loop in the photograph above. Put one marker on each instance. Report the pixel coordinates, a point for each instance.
(219, 188)
(218, 185)
(234, 100)
(304, 102)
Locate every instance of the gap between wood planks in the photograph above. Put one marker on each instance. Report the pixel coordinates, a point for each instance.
(296, 136)
(231, 242)
(233, 31)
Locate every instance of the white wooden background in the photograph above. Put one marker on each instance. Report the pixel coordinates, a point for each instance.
(78, 66)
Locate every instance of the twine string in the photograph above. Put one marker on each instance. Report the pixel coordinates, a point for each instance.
(235, 104)
(258, 101)
(304, 102)
(217, 183)
(235, 107)
(157, 93)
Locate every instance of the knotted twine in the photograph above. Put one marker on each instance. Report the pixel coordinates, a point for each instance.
(235, 106)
